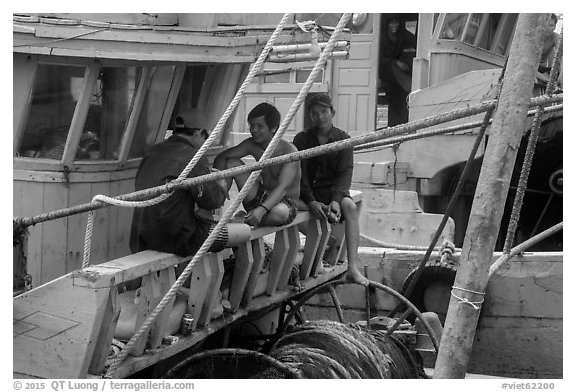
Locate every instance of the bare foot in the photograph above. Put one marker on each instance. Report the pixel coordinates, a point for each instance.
(354, 276)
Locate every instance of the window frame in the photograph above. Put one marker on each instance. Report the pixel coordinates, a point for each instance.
(92, 67)
(482, 27)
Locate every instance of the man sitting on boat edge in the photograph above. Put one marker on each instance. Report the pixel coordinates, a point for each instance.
(272, 201)
(326, 179)
(174, 225)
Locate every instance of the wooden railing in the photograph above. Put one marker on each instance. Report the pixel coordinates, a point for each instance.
(65, 328)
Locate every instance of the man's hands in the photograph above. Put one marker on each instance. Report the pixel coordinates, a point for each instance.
(318, 210)
(334, 212)
(255, 216)
(324, 212)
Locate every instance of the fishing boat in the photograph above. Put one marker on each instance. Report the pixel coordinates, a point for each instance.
(93, 93)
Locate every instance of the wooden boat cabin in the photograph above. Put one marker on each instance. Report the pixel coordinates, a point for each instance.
(93, 93)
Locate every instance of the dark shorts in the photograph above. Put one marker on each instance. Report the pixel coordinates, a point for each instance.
(262, 195)
(206, 226)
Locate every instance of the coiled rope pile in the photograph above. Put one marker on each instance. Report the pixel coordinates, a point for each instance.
(329, 349)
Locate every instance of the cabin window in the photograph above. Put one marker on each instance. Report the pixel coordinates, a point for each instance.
(111, 103)
(302, 76)
(149, 123)
(453, 26)
(473, 28)
(55, 93)
(505, 39)
(491, 32)
(278, 77)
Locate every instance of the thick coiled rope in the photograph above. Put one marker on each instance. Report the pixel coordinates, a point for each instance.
(329, 349)
(530, 149)
(232, 208)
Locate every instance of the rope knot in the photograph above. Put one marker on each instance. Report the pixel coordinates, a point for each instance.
(463, 300)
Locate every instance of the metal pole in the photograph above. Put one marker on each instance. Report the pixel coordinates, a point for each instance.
(488, 206)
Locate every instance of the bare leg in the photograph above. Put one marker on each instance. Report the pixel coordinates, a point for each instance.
(277, 216)
(352, 230)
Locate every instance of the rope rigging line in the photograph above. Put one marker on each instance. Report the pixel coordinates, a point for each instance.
(411, 127)
(523, 246)
(382, 144)
(232, 208)
(530, 149)
(254, 68)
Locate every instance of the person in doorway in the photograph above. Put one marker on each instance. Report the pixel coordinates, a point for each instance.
(395, 68)
(173, 225)
(326, 179)
(272, 201)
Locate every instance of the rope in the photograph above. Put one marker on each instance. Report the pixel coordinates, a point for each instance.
(463, 300)
(232, 208)
(401, 246)
(328, 349)
(390, 132)
(530, 149)
(441, 131)
(254, 68)
(523, 246)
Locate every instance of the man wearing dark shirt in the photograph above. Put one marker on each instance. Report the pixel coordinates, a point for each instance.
(395, 68)
(173, 225)
(326, 179)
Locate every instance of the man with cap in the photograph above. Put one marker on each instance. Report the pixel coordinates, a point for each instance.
(326, 179)
(174, 225)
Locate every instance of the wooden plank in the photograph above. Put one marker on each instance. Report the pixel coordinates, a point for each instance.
(293, 248)
(325, 230)
(16, 198)
(200, 279)
(216, 265)
(258, 255)
(119, 243)
(113, 234)
(99, 247)
(310, 248)
(90, 171)
(78, 194)
(159, 329)
(55, 329)
(143, 300)
(127, 268)
(242, 270)
(109, 321)
(32, 194)
(277, 260)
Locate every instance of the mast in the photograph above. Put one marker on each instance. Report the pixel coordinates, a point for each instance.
(488, 206)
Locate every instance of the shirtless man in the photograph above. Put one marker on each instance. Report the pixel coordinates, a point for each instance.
(326, 179)
(551, 42)
(272, 201)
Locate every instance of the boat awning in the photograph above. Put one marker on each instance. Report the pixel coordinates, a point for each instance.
(141, 42)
